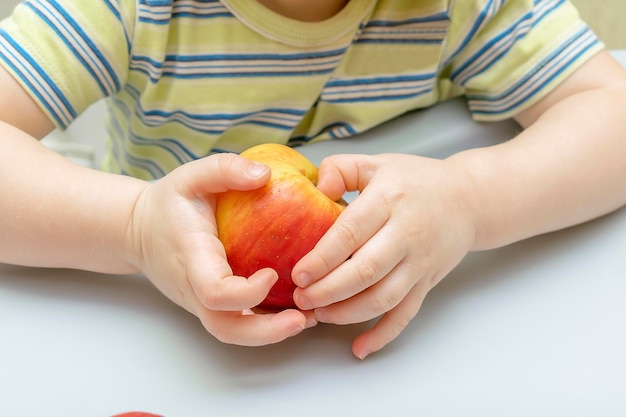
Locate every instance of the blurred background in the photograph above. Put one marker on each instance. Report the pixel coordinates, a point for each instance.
(607, 18)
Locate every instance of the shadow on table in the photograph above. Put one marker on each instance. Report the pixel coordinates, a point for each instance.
(323, 347)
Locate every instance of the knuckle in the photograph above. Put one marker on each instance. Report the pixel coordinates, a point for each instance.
(393, 195)
(398, 324)
(211, 295)
(326, 296)
(348, 233)
(384, 303)
(322, 258)
(225, 163)
(366, 274)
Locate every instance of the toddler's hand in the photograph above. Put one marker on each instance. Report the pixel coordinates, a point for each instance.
(175, 237)
(410, 225)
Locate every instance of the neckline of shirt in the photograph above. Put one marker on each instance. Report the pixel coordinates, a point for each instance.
(296, 33)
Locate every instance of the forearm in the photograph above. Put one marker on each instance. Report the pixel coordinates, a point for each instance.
(58, 214)
(566, 168)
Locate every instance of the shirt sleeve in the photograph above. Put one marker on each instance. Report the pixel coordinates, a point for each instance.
(68, 54)
(507, 55)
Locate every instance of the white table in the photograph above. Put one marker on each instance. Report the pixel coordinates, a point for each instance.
(534, 329)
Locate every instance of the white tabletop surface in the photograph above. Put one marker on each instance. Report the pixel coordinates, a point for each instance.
(533, 329)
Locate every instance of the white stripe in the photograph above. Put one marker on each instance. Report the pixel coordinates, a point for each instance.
(236, 66)
(522, 93)
(371, 88)
(220, 124)
(40, 84)
(486, 58)
(199, 7)
(76, 40)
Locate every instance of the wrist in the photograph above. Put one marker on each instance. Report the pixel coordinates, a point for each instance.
(477, 206)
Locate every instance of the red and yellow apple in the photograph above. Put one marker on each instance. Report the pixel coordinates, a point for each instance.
(276, 225)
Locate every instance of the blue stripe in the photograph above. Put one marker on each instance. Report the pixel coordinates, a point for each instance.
(439, 17)
(158, 65)
(153, 169)
(472, 59)
(282, 59)
(502, 35)
(472, 33)
(36, 92)
(253, 57)
(209, 67)
(540, 86)
(226, 118)
(115, 11)
(154, 21)
(401, 41)
(70, 47)
(297, 140)
(380, 80)
(547, 61)
(170, 145)
(266, 124)
(394, 97)
(157, 3)
(167, 144)
(209, 11)
(202, 15)
(41, 74)
(92, 46)
(259, 74)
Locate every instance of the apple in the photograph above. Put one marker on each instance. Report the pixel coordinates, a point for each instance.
(276, 225)
(136, 414)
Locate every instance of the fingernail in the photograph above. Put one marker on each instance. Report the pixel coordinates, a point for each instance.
(320, 315)
(303, 279)
(256, 170)
(310, 322)
(364, 354)
(296, 330)
(303, 302)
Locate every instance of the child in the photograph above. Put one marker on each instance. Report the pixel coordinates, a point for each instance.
(190, 83)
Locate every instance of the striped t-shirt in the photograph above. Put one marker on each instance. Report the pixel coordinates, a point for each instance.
(187, 78)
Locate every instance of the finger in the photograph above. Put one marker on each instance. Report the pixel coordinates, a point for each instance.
(252, 329)
(208, 273)
(341, 173)
(367, 266)
(309, 315)
(391, 324)
(355, 225)
(219, 173)
(373, 302)
(216, 287)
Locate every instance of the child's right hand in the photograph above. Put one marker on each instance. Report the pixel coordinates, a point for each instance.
(174, 238)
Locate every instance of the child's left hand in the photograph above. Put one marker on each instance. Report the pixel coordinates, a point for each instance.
(410, 225)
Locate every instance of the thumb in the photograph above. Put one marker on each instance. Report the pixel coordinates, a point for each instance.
(221, 172)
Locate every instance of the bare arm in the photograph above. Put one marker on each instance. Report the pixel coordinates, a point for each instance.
(394, 244)
(566, 167)
(55, 213)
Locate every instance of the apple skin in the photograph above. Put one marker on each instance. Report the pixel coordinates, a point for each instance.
(276, 225)
(137, 414)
